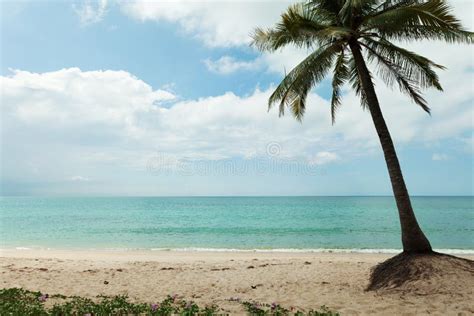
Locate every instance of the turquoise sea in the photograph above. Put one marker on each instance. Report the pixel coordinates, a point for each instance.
(230, 223)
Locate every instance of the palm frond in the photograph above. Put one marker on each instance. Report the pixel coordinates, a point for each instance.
(416, 67)
(326, 27)
(329, 6)
(418, 20)
(391, 73)
(388, 5)
(300, 26)
(352, 11)
(356, 83)
(294, 88)
(341, 75)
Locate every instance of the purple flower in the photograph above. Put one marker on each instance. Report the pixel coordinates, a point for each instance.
(154, 307)
(43, 298)
(274, 305)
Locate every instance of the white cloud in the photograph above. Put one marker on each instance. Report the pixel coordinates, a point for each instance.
(109, 121)
(439, 157)
(221, 23)
(279, 62)
(90, 12)
(79, 179)
(324, 157)
(73, 120)
(227, 65)
(284, 60)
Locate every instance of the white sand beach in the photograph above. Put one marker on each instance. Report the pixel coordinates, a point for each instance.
(300, 280)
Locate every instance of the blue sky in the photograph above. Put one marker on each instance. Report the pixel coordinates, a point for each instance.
(168, 98)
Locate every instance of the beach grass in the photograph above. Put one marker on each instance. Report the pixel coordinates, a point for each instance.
(18, 301)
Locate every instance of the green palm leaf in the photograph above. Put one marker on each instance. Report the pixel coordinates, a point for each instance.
(299, 26)
(391, 73)
(418, 68)
(294, 88)
(341, 75)
(356, 84)
(417, 20)
(330, 7)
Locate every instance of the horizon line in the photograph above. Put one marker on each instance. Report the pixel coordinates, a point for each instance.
(219, 196)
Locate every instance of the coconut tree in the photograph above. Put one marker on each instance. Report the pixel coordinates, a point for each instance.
(344, 38)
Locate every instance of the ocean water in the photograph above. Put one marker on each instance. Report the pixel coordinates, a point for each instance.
(230, 223)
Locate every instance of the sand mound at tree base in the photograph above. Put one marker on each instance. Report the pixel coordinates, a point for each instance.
(423, 274)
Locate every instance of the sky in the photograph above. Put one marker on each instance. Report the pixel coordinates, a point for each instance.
(167, 98)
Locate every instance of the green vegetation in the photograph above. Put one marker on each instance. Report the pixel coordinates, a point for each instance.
(20, 302)
(274, 309)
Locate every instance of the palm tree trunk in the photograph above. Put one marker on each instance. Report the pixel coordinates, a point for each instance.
(413, 239)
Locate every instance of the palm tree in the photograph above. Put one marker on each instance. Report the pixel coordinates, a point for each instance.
(346, 36)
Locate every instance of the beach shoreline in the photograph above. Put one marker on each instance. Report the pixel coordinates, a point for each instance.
(304, 280)
(183, 255)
